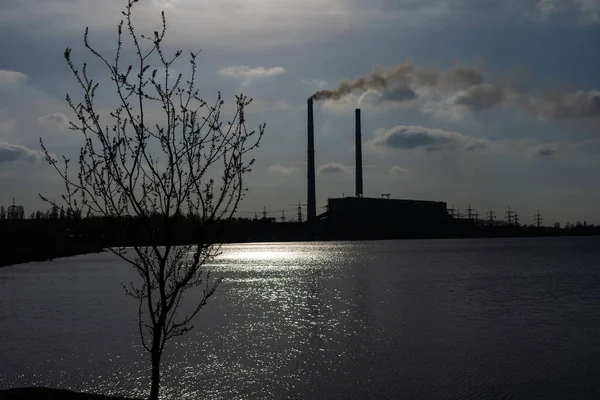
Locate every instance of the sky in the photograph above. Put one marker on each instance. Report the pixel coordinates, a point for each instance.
(473, 102)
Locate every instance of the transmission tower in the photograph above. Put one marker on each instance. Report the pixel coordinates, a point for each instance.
(265, 212)
(516, 218)
(509, 216)
(491, 216)
(538, 219)
(451, 211)
(470, 212)
(11, 213)
(299, 209)
(282, 215)
(476, 215)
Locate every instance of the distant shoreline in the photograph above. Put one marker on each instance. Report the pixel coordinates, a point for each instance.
(24, 256)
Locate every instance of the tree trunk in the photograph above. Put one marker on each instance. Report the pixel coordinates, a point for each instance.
(156, 354)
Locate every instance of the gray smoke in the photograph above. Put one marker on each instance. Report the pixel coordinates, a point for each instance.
(404, 78)
(464, 86)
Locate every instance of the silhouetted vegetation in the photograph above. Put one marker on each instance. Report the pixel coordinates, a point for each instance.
(162, 170)
(51, 236)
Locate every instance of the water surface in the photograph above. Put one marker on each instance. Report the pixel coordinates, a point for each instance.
(503, 318)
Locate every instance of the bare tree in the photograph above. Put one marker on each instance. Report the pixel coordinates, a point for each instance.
(164, 154)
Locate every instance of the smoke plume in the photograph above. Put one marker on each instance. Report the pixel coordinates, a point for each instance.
(463, 89)
(404, 78)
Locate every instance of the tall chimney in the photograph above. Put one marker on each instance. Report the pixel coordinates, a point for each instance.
(312, 191)
(358, 162)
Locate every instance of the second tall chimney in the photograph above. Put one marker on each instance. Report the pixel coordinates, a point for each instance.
(358, 162)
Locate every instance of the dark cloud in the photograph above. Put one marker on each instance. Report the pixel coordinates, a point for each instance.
(398, 94)
(477, 144)
(481, 97)
(418, 137)
(546, 150)
(570, 105)
(410, 138)
(332, 168)
(14, 152)
(465, 76)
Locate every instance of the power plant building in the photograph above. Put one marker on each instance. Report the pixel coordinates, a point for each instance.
(370, 218)
(380, 218)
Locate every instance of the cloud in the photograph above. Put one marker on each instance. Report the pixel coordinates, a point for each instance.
(398, 171)
(247, 72)
(546, 150)
(590, 8)
(55, 119)
(394, 95)
(585, 10)
(315, 82)
(333, 168)
(14, 152)
(481, 97)
(567, 105)
(282, 170)
(242, 24)
(547, 8)
(417, 137)
(21, 105)
(11, 77)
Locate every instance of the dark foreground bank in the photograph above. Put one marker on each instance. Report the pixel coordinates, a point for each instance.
(52, 394)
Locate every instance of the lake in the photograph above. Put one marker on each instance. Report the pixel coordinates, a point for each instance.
(447, 319)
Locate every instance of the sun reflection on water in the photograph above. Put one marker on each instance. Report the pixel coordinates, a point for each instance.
(315, 320)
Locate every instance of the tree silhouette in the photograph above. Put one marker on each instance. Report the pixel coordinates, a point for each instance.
(187, 162)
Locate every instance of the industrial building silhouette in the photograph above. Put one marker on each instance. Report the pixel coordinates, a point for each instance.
(362, 217)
